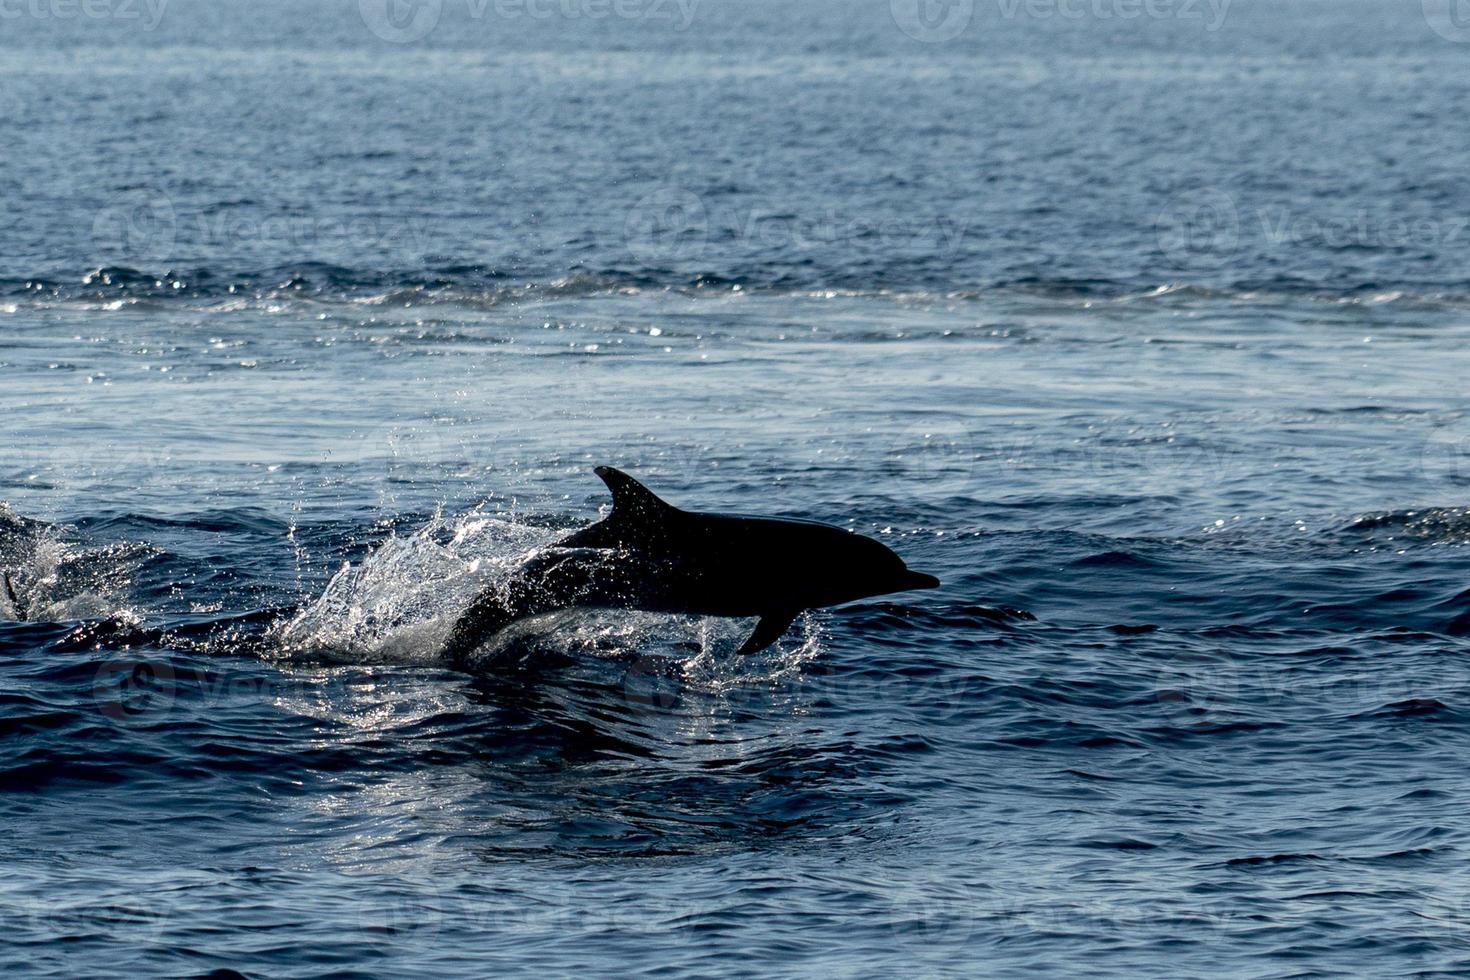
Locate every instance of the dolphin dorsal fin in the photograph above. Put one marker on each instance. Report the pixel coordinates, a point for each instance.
(637, 515)
(633, 503)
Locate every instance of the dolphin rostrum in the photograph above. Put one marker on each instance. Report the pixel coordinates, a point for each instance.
(650, 555)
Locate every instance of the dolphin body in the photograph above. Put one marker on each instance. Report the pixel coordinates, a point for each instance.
(650, 555)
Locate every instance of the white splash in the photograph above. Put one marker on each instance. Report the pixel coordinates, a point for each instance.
(45, 579)
(399, 604)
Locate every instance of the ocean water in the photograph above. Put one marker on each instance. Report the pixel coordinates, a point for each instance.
(1144, 327)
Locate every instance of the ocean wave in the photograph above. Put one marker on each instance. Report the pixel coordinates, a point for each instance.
(1429, 525)
(110, 287)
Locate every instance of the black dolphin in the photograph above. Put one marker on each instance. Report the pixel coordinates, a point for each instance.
(650, 555)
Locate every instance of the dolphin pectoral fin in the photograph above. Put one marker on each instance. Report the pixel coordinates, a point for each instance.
(767, 631)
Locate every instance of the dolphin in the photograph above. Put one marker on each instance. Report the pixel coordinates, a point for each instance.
(649, 555)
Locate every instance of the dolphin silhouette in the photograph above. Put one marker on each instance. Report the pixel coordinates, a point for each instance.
(650, 555)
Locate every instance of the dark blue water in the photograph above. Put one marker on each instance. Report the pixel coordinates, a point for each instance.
(1147, 335)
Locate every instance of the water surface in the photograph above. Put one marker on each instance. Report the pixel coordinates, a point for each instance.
(1148, 339)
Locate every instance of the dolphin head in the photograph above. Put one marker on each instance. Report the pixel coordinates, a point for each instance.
(858, 567)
